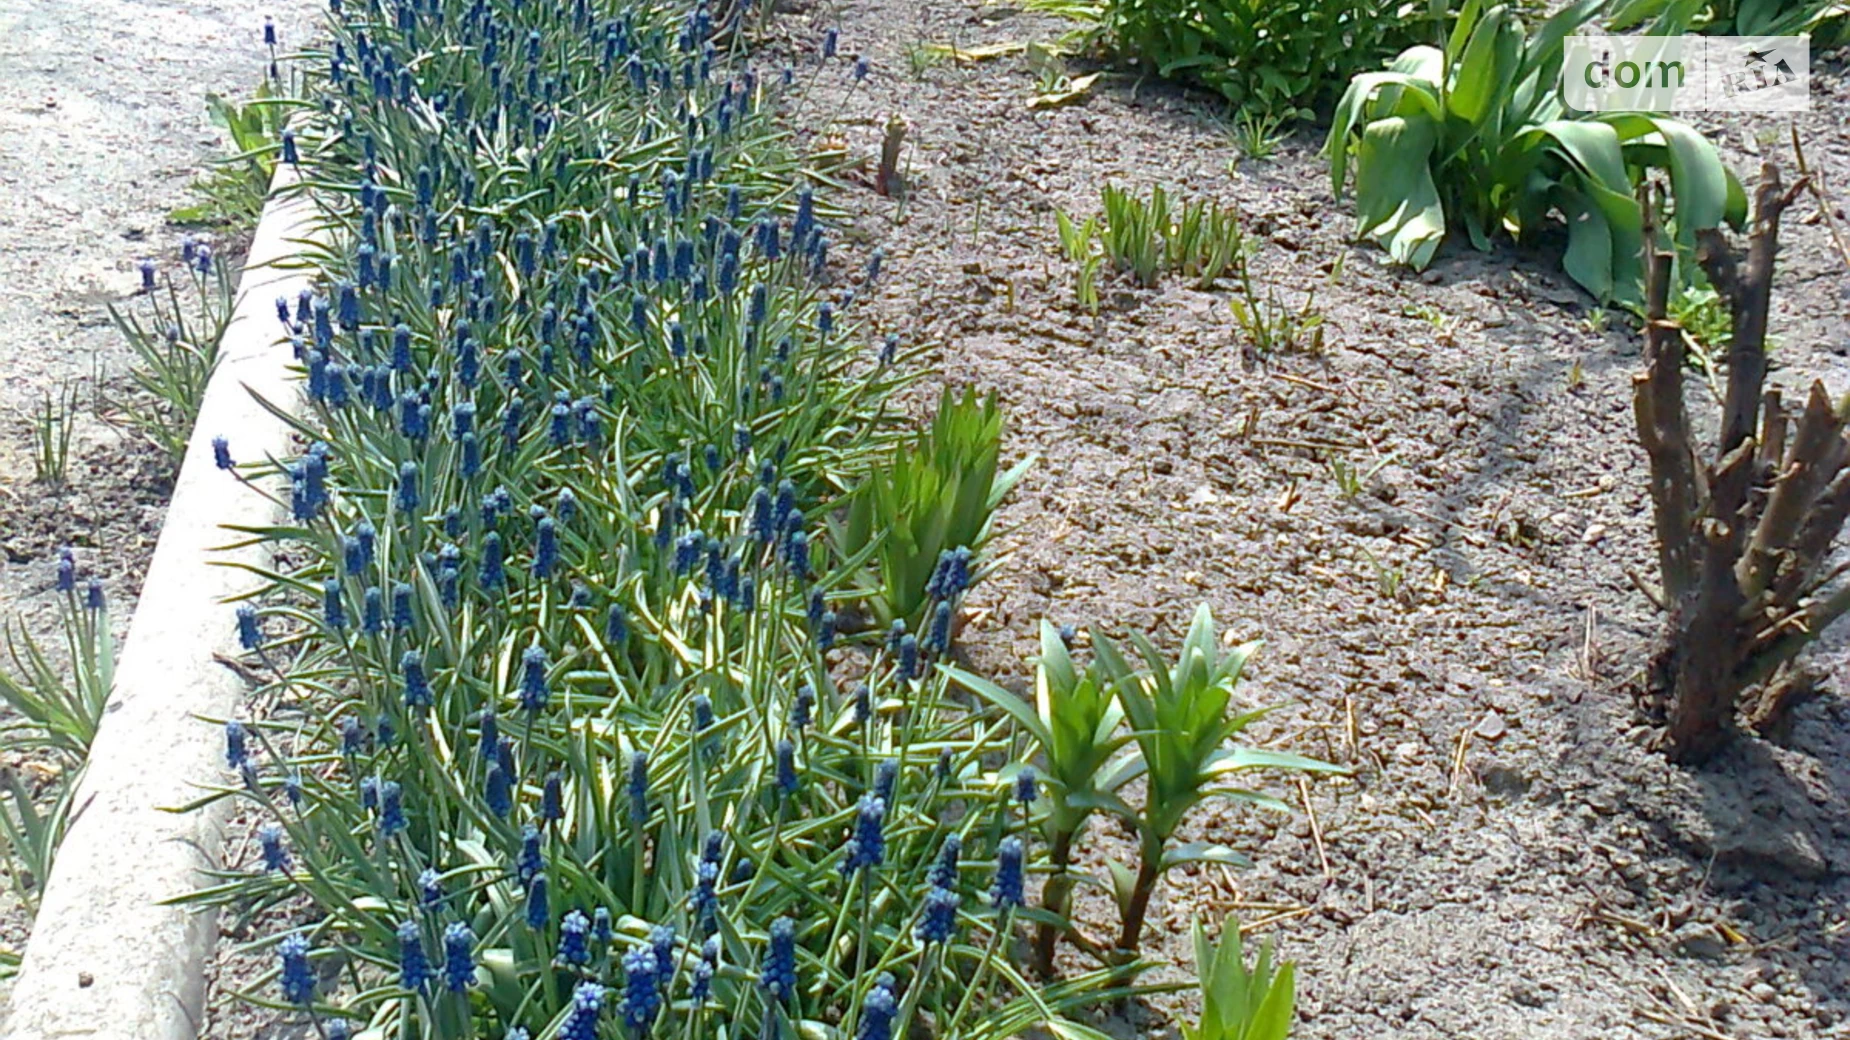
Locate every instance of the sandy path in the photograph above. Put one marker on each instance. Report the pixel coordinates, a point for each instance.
(102, 127)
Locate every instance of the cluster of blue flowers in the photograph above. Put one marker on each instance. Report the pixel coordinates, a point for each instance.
(66, 582)
(577, 375)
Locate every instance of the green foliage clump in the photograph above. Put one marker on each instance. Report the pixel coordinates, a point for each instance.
(233, 191)
(175, 338)
(1168, 724)
(1475, 136)
(59, 703)
(934, 494)
(1276, 56)
(1237, 1002)
(1147, 238)
(1826, 21)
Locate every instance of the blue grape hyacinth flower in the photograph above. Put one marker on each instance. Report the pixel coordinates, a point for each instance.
(250, 631)
(587, 1004)
(778, 973)
(539, 908)
(639, 788)
(1007, 892)
(533, 690)
(642, 977)
(275, 853)
(574, 939)
(297, 978)
(237, 753)
(458, 957)
(530, 862)
(414, 971)
(878, 1010)
(939, 919)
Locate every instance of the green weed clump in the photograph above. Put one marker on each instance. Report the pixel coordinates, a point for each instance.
(1148, 238)
(175, 337)
(57, 704)
(1279, 58)
(935, 495)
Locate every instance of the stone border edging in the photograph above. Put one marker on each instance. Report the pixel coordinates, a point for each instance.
(106, 960)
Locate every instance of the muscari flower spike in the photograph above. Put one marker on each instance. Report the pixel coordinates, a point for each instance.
(787, 780)
(352, 736)
(939, 918)
(533, 691)
(639, 788)
(802, 707)
(574, 939)
(417, 685)
(545, 548)
(236, 751)
(944, 869)
(539, 909)
(430, 889)
(275, 854)
(703, 901)
(867, 848)
(391, 808)
(552, 798)
(587, 1004)
(414, 971)
(778, 973)
(458, 957)
(878, 1010)
(498, 790)
(531, 862)
(250, 631)
(641, 989)
(1007, 891)
(297, 978)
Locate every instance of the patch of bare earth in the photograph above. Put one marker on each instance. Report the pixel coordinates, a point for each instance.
(1510, 859)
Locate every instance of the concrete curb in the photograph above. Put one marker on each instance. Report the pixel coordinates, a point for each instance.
(106, 960)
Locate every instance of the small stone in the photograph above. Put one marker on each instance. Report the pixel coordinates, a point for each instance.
(1409, 751)
(1702, 942)
(1594, 533)
(1527, 995)
(1491, 726)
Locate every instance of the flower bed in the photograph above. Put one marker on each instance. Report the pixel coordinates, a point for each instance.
(613, 715)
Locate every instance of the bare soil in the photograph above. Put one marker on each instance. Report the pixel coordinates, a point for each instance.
(1511, 858)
